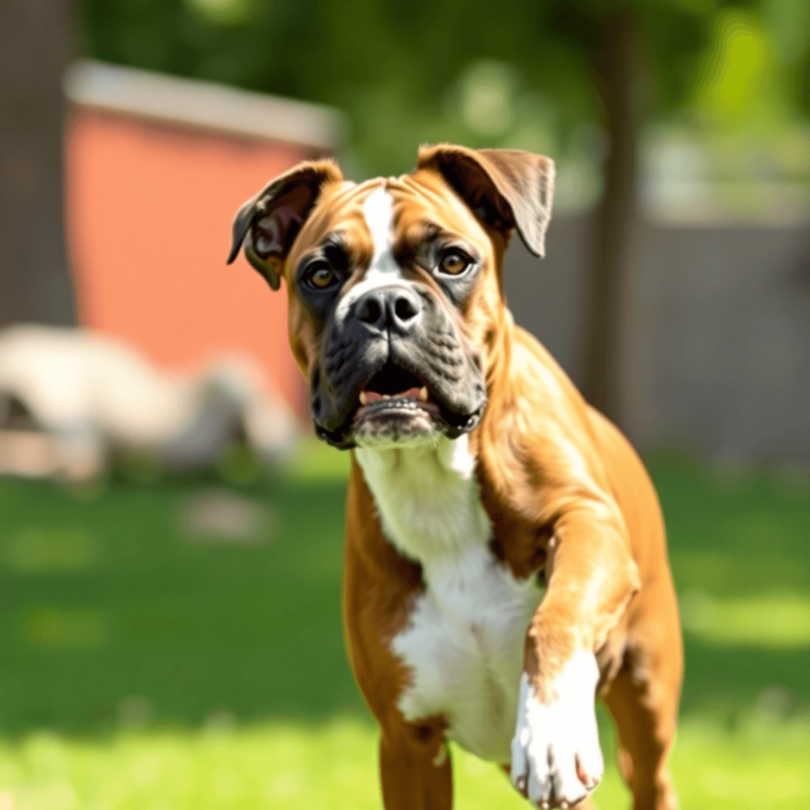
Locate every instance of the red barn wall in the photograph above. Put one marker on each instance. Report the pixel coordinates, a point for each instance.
(149, 210)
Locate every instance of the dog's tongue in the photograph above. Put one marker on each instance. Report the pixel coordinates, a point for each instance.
(373, 396)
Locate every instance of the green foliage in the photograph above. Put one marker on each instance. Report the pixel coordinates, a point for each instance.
(409, 73)
(515, 74)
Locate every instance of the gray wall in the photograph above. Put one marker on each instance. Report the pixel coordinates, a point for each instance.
(716, 336)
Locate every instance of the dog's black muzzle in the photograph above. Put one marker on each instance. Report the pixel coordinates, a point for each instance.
(393, 340)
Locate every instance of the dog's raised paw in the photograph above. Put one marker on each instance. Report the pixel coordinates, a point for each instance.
(556, 758)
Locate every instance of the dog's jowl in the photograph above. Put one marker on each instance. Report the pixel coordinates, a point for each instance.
(505, 554)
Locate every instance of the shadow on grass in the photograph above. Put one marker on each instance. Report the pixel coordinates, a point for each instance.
(729, 681)
(118, 616)
(151, 618)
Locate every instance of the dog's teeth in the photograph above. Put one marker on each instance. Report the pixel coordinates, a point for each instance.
(363, 398)
(423, 393)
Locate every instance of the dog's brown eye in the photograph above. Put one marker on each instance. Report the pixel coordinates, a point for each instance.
(321, 276)
(454, 263)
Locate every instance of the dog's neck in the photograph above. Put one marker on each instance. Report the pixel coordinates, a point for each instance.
(427, 498)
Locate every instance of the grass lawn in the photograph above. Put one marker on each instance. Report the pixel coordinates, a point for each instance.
(146, 662)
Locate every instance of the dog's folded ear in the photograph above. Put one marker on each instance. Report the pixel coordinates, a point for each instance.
(505, 188)
(267, 224)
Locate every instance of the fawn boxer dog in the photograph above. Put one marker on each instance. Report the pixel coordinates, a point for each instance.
(505, 553)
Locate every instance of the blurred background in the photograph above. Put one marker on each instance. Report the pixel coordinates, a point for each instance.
(170, 533)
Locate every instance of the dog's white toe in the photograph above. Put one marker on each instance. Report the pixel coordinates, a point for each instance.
(556, 758)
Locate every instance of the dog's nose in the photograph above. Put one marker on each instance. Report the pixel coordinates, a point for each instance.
(395, 308)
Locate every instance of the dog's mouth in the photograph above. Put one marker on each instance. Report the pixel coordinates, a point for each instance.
(392, 399)
(397, 406)
(393, 387)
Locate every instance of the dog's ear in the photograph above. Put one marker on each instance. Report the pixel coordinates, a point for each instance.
(267, 224)
(505, 188)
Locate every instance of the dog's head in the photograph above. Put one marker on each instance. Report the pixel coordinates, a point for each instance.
(394, 285)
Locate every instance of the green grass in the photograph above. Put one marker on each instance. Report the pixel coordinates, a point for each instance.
(142, 667)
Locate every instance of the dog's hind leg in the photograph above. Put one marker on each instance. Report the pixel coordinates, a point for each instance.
(415, 769)
(643, 699)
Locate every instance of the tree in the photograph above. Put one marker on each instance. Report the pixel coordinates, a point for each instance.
(640, 55)
(34, 48)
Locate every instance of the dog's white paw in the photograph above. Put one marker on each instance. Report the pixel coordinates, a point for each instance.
(556, 758)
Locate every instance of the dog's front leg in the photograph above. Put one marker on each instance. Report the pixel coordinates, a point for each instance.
(556, 758)
(415, 769)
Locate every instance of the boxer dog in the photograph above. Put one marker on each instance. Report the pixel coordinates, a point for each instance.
(505, 553)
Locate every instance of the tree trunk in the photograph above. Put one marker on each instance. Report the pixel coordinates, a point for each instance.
(615, 219)
(35, 40)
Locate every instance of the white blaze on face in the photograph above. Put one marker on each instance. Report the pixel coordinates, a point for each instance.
(383, 270)
(378, 210)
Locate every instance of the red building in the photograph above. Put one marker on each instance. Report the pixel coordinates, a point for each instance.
(156, 167)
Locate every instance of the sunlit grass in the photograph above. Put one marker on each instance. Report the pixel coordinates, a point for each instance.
(264, 767)
(778, 620)
(146, 667)
(329, 766)
(760, 765)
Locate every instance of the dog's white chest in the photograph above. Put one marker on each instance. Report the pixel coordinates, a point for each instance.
(464, 645)
(464, 640)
